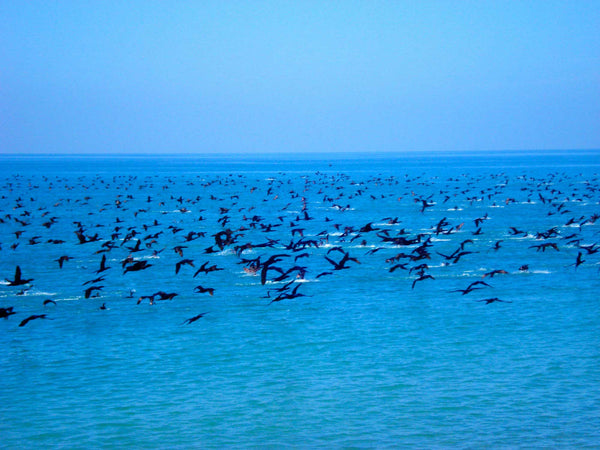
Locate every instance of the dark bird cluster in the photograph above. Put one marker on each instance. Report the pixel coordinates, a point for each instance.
(266, 237)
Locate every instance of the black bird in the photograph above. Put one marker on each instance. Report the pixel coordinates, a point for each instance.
(202, 290)
(398, 266)
(88, 291)
(492, 300)
(205, 269)
(179, 249)
(18, 281)
(286, 296)
(341, 264)
(62, 259)
(178, 265)
(494, 272)
(165, 296)
(6, 312)
(193, 319)
(102, 265)
(266, 265)
(472, 287)
(97, 280)
(497, 245)
(33, 317)
(421, 278)
(137, 266)
(544, 246)
(579, 260)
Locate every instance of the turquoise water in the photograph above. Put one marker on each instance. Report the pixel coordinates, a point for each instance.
(362, 359)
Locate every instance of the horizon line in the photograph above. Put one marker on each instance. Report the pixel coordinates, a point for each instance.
(292, 154)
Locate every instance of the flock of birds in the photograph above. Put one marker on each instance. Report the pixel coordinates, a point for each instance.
(283, 230)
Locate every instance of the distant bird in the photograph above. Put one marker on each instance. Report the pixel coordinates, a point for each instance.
(286, 296)
(178, 265)
(179, 249)
(33, 317)
(421, 278)
(494, 272)
(398, 266)
(472, 287)
(165, 296)
(103, 266)
(96, 280)
(497, 245)
(137, 266)
(6, 312)
(193, 319)
(204, 269)
(62, 259)
(341, 264)
(18, 281)
(544, 246)
(91, 289)
(202, 290)
(579, 260)
(492, 300)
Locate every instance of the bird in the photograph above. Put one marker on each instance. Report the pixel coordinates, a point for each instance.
(193, 319)
(472, 287)
(579, 260)
(18, 281)
(341, 264)
(494, 272)
(165, 296)
(32, 317)
(398, 266)
(6, 312)
(178, 265)
(137, 266)
(103, 266)
(492, 300)
(421, 278)
(201, 290)
(204, 269)
(62, 259)
(91, 289)
(286, 296)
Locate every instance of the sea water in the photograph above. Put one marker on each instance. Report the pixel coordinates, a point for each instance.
(365, 357)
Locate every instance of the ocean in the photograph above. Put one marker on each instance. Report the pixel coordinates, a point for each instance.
(387, 300)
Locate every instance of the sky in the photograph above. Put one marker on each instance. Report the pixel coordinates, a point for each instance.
(80, 77)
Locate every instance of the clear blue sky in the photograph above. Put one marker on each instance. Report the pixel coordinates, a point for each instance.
(277, 76)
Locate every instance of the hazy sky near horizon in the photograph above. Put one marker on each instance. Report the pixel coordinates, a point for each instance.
(304, 76)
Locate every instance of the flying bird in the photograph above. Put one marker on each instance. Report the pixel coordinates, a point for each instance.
(18, 281)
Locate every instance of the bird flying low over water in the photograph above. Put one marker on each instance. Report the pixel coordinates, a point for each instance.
(492, 300)
(494, 272)
(18, 281)
(91, 289)
(137, 266)
(30, 318)
(5, 313)
(193, 319)
(201, 290)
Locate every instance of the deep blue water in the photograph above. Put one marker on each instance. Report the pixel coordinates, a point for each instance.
(361, 359)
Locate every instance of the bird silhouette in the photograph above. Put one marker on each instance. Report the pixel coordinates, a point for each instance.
(201, 290)
(18, 281)
(32, 317)
(193, 319)
(492, 300)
